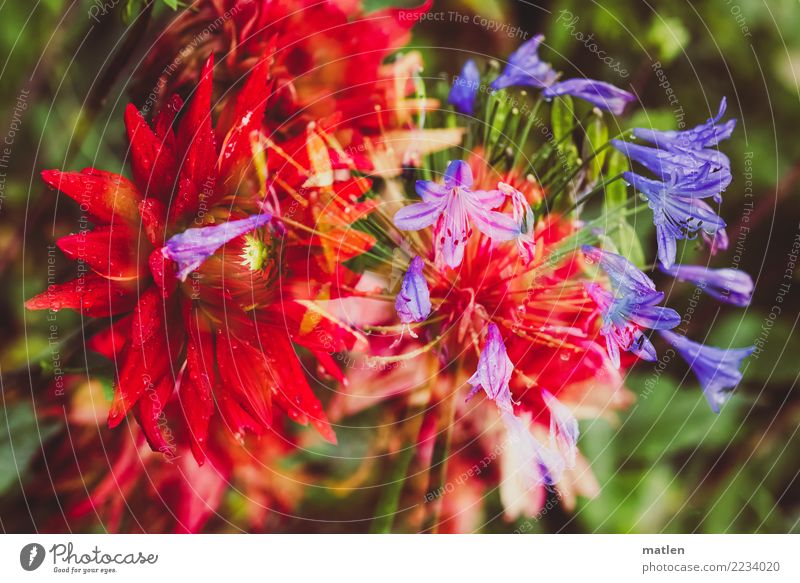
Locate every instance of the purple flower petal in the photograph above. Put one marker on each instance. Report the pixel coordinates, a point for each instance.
(429, 191)
(523, 216)
(458, 174)
(655, 317)
(598, 93)
(192, 247)
(623, 274)
(465, 88)
(706, 135)
(717, 241)
(525, 68)
(494, 369)
(666, 240)
(728, 285)
(494, 225)
(490, 199)
(717, 369)
(452, 232)
(418, 216)
(563, 428)
(413, 303)
(643, 348)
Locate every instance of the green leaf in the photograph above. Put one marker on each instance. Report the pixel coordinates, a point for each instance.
(596, 138)
(620, 233)
(616, 192)
(21, 438)
(500, 106)
(562, 117)
(668, 36)
(172, 4)
(627, 242)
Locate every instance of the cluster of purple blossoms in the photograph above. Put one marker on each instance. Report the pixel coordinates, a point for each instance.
(631, 306)
(689, 171)
(452, 208)
(526, 69)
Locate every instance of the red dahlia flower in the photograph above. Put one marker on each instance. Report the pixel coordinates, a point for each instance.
(221, 342)
(325, 58)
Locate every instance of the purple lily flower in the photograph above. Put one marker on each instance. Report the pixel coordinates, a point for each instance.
(192, 247)
(717, 369)
(465, 88)
(494, 371)
(452, 206)
(631, 307)
(728, 285)
(702, 184)
(598, 93)
(666, 162)
(675, 215)
(703, 136)
(526, 68)
(413, 303)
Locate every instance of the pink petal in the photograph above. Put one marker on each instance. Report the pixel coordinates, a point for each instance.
(489, 199)
(429, 191)
(494, 225)
(418, 216)
(452, 232)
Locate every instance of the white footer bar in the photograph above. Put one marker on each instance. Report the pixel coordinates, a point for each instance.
(401, 558)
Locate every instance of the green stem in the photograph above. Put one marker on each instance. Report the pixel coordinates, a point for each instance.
(588, 160)
(389, 500)
(438, 468)
(599, 188)
(526, 131)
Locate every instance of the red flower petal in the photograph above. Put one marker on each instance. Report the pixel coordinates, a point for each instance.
(247, 117)
(152, 160)
(148, 316)
(108, 250)
(149, 356)
(196, 387)
(153, 216)
(90, 294)
(293, 393)
(197, 177)
(162, 122)
(244, 374)
(101, 194)
(149, 414)
(110, 342)
(165, 273)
